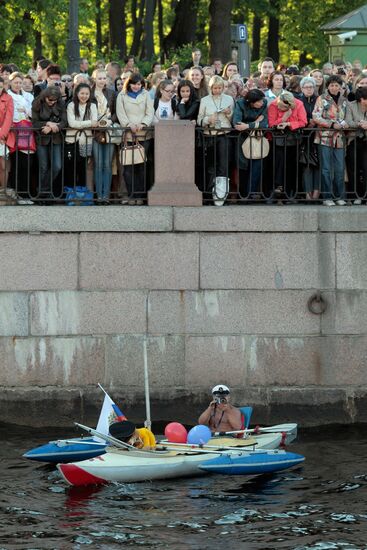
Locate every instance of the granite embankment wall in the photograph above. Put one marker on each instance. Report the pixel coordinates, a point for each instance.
(221, 295)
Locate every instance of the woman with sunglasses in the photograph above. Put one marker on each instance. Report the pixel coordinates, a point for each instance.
(66, 87)
(49, 117)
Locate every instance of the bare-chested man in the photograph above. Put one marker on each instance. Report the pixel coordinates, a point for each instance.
(221, 416)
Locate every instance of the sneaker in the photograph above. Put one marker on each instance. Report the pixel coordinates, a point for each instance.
(24, 201)
(218, 202)
(220, 190)
(329, 203)
(341, 203)
(357, 202)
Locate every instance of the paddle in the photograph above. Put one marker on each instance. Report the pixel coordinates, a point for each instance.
(219, 450)
(127, 446)
(109, 438)
(279, 428)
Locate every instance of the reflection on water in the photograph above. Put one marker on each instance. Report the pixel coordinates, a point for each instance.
(321, 505)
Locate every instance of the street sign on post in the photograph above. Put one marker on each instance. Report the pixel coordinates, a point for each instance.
(239, 41)
(242, 33)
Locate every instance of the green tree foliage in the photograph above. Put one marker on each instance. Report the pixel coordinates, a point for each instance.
(300, 22)
(33, 27)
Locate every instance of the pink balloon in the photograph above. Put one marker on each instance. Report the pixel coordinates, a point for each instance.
(175, 432)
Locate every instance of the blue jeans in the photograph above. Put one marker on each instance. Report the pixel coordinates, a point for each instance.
(103, 154)
(255, 175)
(50, 164)
(332, 172)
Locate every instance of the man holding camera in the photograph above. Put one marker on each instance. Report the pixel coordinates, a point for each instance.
(53, 78)
(221, 416)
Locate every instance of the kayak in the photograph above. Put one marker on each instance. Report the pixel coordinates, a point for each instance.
(75, 449)
(259, 463)
(67, 450)
(133, 466)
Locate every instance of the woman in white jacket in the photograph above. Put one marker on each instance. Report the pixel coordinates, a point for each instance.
(82, 117)
(134, 109)
(215, 115)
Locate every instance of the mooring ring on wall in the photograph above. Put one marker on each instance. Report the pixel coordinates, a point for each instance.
(316, 304)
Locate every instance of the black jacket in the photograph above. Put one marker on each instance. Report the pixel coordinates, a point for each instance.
(189, 110)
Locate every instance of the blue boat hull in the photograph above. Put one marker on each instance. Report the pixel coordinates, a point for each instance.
(66, 450)
(252, 463)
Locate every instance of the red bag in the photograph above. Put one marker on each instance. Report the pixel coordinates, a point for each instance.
(24, 137)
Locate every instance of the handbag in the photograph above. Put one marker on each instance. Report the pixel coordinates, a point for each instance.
(100, 136)
(132, 154)
(308, 156)
(255, 146)
(78, 196)
(24, 137)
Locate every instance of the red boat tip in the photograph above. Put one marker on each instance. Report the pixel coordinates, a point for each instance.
(78, 477)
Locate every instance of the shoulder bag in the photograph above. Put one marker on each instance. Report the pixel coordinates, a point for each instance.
(132, 153)
(255, 146)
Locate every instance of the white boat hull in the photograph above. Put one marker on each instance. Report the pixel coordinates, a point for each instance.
(133, 466)
(130, 467)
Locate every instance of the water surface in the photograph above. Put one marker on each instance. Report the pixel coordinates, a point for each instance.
(321, 505)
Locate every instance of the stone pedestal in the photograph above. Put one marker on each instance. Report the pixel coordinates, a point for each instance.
(174, 158)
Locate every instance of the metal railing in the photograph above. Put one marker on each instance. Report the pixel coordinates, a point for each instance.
(78, 167)
(271, 166)
(292, 168)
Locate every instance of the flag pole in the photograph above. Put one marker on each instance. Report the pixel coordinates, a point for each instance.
(147, 422)
(104, 391)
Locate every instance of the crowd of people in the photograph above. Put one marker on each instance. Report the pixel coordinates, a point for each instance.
(283, 134)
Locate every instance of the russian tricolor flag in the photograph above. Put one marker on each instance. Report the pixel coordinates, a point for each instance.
(110, 413)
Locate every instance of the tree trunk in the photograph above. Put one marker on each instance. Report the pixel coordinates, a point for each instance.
(220, 29)
(148, 29)
(184, 26)
(37, 50)
(256, 38)
(160, 29)
(22, 36)
(138, 29)
(117, 23)
(273, 35)
(98, 26)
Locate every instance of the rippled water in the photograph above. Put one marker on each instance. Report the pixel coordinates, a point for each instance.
(321, 505)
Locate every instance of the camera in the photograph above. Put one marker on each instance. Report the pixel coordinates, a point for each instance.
(346, 36)
(220, 400)
(57, 83)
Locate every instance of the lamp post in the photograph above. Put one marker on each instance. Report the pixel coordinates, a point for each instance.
(72, 43)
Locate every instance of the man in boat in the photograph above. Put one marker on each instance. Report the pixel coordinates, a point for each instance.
(220, 415)
(126, 431)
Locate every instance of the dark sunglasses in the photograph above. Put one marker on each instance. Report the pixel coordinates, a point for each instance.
(66, 80)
